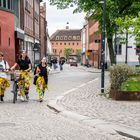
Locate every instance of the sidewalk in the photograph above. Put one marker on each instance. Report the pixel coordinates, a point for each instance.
(86, 105)
(89, 69)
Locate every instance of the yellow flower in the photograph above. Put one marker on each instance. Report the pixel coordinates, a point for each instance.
(3, 85)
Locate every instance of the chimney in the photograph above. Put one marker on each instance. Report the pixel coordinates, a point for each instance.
(67, 26)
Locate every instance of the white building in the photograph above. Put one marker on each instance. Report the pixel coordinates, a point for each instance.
(132, 52)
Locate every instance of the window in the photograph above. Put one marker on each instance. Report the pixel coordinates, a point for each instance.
(56, 43)
(72, 43)
(9, 41)
(54, 50)
(61, 37)
(64, 43)
(137, 50)
(119, 49)
(0, 3)
(57, 37)
(52, 43)
(4, 3)
(70, 38)
(77, 43)
(78, 37)
(60, 43)
(65, 37)
(69, 43)
(9, 4)
(74, 37)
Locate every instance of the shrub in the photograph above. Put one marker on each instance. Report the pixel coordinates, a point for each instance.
(119, 74)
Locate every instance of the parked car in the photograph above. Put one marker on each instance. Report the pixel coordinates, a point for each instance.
(73, 63)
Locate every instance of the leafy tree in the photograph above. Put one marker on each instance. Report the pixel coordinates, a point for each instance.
(67, 52)
(125, 27)
(78, 53)
(136, 31)
(94, 10)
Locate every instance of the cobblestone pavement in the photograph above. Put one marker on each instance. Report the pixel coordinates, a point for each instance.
(87, 101)
(35, 121)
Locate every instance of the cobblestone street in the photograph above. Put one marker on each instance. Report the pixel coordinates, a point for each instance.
(87, 101)
(35, 121)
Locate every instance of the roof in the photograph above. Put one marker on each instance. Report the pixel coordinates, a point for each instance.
(67, 35)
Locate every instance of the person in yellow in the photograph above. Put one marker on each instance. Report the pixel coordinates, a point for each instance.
(4, 66)
(41, 78)
(24, 80)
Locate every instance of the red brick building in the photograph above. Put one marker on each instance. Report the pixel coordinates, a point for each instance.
(91, 44)
(68, 38)
(7, 38)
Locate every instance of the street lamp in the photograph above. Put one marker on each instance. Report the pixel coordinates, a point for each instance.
(103, 46)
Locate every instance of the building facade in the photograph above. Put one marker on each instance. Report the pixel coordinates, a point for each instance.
(133, 51)
(31, 9)
(91, 44)
(10, 30)
(43, 31)
(67, 38)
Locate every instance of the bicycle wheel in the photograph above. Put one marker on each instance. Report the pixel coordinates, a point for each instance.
(15, 92)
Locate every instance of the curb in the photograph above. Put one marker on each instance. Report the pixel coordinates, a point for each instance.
(101, 125)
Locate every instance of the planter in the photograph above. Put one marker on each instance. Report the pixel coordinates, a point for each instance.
(124, 95)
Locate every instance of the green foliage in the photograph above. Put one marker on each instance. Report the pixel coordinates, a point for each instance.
(118, 75)
(78, 53)
(67, 52)
(132, 84)
(130, 25)
(94, 10)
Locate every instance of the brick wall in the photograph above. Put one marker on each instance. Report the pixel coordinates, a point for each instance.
(59, 46)
(7, 44)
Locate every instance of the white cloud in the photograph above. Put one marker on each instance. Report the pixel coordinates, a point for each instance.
(57, 19)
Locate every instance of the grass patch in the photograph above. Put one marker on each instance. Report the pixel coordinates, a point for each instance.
(132, 84)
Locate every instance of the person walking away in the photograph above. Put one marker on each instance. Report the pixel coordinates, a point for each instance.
(4, 84)
(41, 78)
(24, 65)
(61, 62)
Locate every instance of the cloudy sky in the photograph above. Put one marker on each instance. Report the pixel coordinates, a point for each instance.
(57, 19)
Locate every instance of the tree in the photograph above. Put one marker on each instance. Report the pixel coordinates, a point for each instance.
(136, 29)
(67, 52)
(94, 10)
(130, 25)
(125, 27)
(78, 53)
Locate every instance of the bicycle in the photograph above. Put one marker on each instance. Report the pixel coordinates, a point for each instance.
(21, 83)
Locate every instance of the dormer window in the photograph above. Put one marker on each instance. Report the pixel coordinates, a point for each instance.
(61, 37)
(78, 37)
(70, 38)
(57, 37)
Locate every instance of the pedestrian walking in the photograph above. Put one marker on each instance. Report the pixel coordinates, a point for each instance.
(41, 78)
(24, 80)
(61, 62)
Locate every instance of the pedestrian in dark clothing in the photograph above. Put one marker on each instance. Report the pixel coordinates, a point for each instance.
(41, 80)
(61, 62)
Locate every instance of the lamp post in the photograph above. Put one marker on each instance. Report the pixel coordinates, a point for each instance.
(103, 46)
